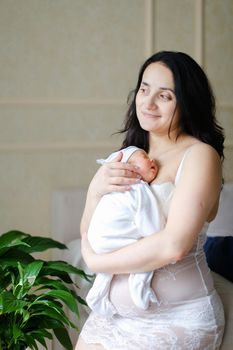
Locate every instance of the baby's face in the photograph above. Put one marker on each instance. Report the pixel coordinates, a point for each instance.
(147, 167)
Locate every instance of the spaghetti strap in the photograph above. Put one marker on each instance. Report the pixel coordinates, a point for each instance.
(178, 173)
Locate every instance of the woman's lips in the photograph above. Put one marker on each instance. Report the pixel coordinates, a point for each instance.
(150, 115)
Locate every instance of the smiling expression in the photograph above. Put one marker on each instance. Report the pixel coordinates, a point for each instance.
(156, 103)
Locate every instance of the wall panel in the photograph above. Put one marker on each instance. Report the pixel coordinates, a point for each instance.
(218, 53)
(69, 124)
(175, 25)
(219, 47)
(69, 50)
(29, 178)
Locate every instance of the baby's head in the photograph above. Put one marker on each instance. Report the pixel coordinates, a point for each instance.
(147, 167)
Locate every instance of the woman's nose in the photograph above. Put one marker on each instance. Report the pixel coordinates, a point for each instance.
(150, 102)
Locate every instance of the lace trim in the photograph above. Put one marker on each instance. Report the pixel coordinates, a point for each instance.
(164, 330)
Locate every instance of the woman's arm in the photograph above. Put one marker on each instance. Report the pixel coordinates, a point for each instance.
(110, 177)
(194, 197)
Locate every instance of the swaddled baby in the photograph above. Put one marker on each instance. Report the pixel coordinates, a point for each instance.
(122, 218)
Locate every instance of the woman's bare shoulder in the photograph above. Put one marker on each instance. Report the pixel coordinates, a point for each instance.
(202, 156)
(202, 164)
(206, 150)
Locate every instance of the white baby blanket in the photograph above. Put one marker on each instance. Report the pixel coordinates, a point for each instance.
(121, 219)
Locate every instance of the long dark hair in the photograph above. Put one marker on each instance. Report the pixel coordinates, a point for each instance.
(195, 100)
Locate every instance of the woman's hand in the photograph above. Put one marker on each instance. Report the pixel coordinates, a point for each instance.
(113, 177)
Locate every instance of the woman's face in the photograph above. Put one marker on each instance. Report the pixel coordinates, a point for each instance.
(156, 101)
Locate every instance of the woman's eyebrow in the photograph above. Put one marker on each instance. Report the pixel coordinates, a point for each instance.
(144, 83)
(165, 89)
(160, 88)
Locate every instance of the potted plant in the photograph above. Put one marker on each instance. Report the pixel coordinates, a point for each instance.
(33, 293)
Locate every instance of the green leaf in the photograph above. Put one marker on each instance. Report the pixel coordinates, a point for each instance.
(50, 283)
(65, 267)
(67, 297)
(21, 273)
(47, 283)
(25, 315)
(12, 238)
(32, 271)
(5, 279)
(63, 337)
(40, 337)
(42, 332)
(81, 300)
(49, 309)
(39, 244)
(64, 276)
(13, 255)
(16, 332)
(22, 287)
(39, 322)
(30, 340)
(8, 303)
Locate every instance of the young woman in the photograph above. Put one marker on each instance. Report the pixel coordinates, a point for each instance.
(171, 116)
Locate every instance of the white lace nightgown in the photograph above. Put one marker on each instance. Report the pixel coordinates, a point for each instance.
(189, 315)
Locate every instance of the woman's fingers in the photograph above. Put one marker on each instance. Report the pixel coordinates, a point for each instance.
(114, 177)
(117, 164)
(124, 173)
(123, 180)
(122, 169)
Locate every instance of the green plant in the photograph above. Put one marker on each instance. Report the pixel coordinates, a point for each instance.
(33, 293)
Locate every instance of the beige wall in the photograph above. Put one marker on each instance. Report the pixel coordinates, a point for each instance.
(66, 67)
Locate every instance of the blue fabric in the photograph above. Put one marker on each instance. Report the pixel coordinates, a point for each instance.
(219, 255)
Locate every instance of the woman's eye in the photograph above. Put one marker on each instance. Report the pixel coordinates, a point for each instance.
(165, 97)
(143, 90)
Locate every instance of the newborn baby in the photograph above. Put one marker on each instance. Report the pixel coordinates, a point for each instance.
(119, 219)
